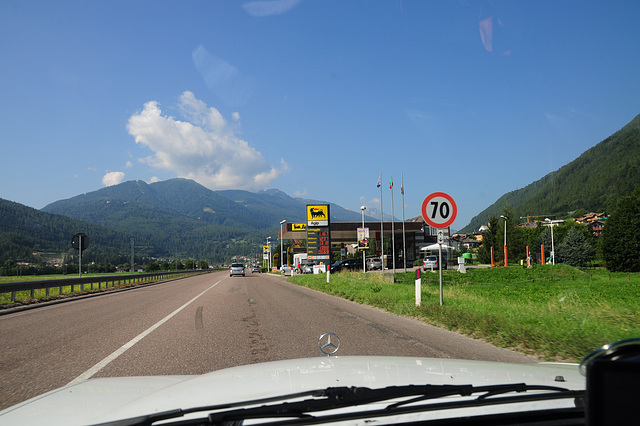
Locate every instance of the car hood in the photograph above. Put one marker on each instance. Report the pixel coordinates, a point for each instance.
(108, 399)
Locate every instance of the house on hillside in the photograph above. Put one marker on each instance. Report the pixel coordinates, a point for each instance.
(595, 222)
(591, 217)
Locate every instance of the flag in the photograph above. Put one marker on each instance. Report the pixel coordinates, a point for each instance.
(391, 182)
(402, 184)
(379, 181)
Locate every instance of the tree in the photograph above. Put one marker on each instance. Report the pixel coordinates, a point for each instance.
(489, 239)
(620, 238)
(575, 250)
(152, 267)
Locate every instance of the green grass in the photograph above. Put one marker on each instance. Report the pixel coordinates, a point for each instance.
(556, 312)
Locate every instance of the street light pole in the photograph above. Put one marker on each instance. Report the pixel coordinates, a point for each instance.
(269, 254)
(553, 252)
(506, 262)
(364, 254)
(282, 246)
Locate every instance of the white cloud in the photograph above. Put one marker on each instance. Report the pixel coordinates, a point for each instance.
(154, 179)
(112, 178)
(202, 147)
(268, 8)
(128, 165)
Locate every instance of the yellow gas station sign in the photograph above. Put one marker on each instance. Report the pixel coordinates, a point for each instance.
(298, 227)
(318, 215)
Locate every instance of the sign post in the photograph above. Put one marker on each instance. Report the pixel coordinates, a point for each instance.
(80, 242)
(439, 211)
(319, 235)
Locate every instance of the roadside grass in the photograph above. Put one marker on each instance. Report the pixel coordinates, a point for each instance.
(557, 313)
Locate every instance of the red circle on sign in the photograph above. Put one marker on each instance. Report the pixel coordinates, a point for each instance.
(439, 210)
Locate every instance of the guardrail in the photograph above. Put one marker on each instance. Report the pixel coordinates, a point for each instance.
(114, 280)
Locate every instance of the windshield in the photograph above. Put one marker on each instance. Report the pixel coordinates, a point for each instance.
(184, 137)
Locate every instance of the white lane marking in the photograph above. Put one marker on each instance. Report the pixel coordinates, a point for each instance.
(99, 366)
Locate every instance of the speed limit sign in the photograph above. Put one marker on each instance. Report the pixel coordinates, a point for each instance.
(439, 210)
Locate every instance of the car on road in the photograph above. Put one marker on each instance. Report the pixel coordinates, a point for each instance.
(255, 268)
(236, 269)
(431, 262)
(374, 263)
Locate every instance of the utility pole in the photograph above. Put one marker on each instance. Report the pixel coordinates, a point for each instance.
(133, 249)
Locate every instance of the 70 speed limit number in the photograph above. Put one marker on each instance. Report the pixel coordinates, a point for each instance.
(439, 210)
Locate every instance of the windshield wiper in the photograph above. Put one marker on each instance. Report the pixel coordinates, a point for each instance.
(341, 397)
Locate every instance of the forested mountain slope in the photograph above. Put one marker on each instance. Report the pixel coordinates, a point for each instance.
(593, 182)
(181, 216)
(25, 230)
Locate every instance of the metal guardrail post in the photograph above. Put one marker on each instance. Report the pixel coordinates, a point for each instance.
(32, 286)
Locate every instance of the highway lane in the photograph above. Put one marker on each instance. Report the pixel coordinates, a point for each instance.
(200, 324)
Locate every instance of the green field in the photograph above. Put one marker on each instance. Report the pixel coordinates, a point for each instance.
(557, 313)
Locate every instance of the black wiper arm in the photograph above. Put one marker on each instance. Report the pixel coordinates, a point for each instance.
(468, 390)
(339, 397)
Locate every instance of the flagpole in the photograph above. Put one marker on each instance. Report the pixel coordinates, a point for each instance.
(381, 223)
(404, 241)
(393, 232)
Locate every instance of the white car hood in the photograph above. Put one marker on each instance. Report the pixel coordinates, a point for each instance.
(108, 399)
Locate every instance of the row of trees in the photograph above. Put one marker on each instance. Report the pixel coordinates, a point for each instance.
(190, 264)
(618, 246)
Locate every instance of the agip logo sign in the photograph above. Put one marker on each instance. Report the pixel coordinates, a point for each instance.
(318, 215)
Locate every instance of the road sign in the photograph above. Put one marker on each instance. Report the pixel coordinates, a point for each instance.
(439, 210)
(318, 215)
(80, 241)
(440, 236)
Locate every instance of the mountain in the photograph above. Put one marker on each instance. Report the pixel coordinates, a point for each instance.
(180, 217)
(592, 182)
(25, 231)
(187, 198)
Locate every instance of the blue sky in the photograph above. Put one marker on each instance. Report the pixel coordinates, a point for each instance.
(315, 98)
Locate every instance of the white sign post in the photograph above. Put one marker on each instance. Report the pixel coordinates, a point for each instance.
(439, 211)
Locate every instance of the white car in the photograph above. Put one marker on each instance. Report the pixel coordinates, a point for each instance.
(374, 263)
(284, 269)
(356, 390)
(236, 269)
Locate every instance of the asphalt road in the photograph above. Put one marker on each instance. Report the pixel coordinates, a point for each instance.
(204, 323)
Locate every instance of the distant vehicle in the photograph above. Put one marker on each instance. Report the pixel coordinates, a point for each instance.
(432, 262)
(307, 268)
(374, 263)
(236, 269)
(347, 264)
(255, 268)
(285, 269)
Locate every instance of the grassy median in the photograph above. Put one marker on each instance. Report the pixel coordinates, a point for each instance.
(558, 313)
